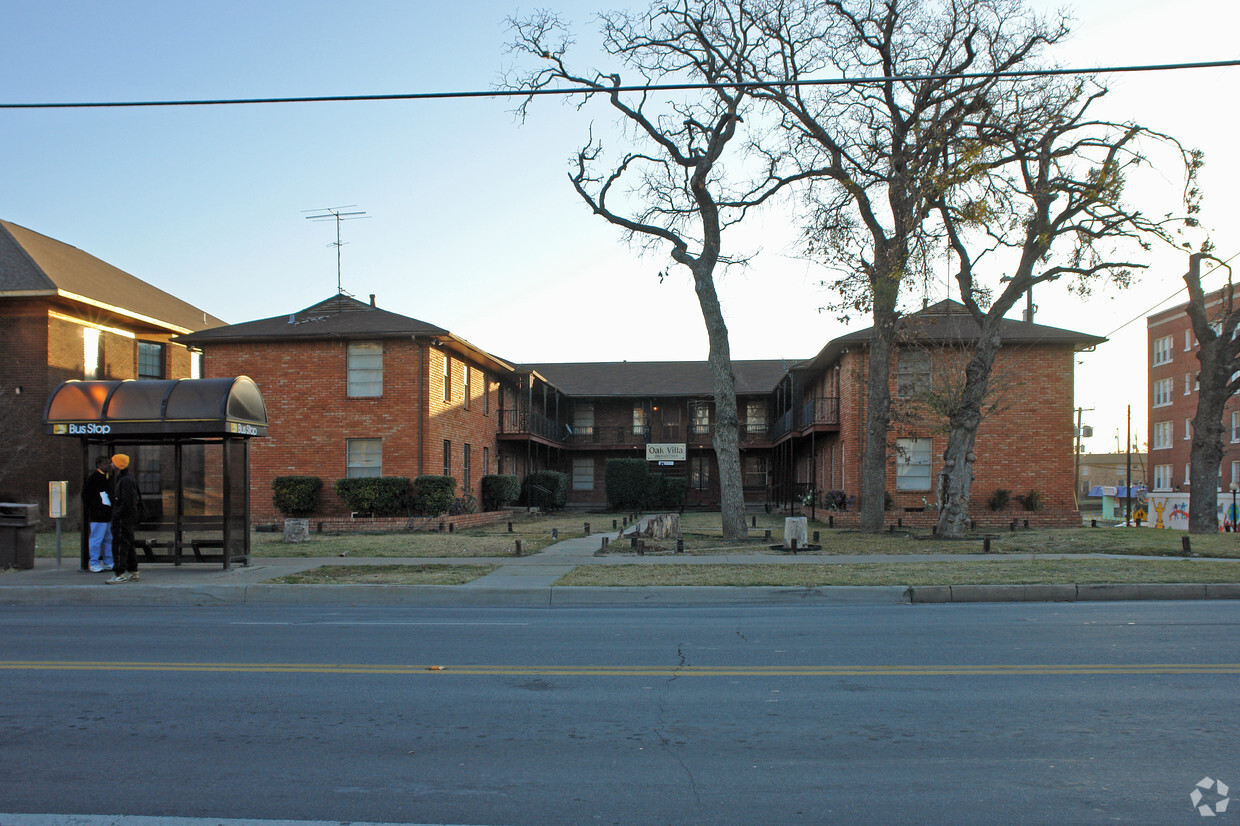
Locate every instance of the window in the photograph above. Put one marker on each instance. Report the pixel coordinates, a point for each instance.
(1188, 429)
(1235, 426)
(365, 369)
(195, 364)
(641, 420)
(150, 360)
(1162, 435)
(699, 418)
(755, 419)
(447, 377)
(1235, 473)
(583, 421)
(465, 474)
(486, 460)
(468, 369)
(1162, 392)
(1162, 477)
(1188, 473)
(1188, 340)
(912, 464)
(1162, 350)
(447, 457)
(583, 473)
(1188, 384)
(486, 395)
(912, 373)
(699, 473)
(92, 354)
(365, 458)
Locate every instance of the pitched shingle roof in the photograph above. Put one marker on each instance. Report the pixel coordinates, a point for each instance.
(32, 264)
(657, 378)
(340, 316)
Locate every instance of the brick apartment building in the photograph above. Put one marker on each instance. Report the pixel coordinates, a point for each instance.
(65, 314)
(1173, 369)
(355, 390)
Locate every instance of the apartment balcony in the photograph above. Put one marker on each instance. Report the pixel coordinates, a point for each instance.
(815, 415)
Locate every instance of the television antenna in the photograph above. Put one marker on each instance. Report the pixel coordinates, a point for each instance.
(338, 215)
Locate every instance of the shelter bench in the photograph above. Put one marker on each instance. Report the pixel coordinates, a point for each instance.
(163, 546)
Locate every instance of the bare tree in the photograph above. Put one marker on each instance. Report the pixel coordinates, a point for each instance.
(1048, 196)
(1218, 352)
(670, 187)
(883, 153)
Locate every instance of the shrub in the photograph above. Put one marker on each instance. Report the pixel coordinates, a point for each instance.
(664, 491)
(296, 495)
(463, 504)
(433, 494)
(627, 481)
(835, 500)
(888, 501)
(1031, 501)
(499, 491)
(999, 499)
(546, 489)
(377, 495)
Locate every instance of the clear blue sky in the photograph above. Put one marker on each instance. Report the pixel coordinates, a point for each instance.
(473, 225)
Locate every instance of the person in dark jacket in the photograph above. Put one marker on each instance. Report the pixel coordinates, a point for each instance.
(125, 516)
(97, 514)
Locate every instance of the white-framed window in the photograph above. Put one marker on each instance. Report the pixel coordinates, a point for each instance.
(912, 464)
(447, 457)
(365, 368)
(1235, 473)
(364, 458)
(1188, 429)
(1161, 435)
(197, 360)
(1162, 350)
(1188, 384)
(699, 419)
(466, 477)
(1188, 340)
(486, 460)
(1162, 392)
(1235, 426)
(912, 372)
(447, 377)
(150, 360)
(466, 386)
(755, 419)
(1188, 473)
(641, 420)
(583, 473)
(92, 354)
(1162, 477)
(583, 421)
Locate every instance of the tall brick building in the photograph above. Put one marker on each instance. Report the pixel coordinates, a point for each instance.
(354, 390)
(65, 314)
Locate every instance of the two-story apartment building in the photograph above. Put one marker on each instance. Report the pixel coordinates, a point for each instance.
(65, 314)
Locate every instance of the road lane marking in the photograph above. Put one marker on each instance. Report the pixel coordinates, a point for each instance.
(1049, 669)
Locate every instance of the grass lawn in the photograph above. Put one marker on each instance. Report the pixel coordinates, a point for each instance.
(999, 572)
(387, 575)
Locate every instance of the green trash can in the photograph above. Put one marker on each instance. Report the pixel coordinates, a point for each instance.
(18, 522)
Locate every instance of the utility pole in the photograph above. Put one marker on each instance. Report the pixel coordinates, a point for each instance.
(1076, 459)
(1128, 470)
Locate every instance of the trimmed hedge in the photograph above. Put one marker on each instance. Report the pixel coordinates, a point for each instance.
(296, 495)
(499, 491)
(546, 489)
(435, 494)
(377, 495)
(627, 481)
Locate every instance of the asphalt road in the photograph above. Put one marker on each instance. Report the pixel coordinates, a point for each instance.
(1031, 713)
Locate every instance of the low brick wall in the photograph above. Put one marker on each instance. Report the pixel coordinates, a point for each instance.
(392, 524)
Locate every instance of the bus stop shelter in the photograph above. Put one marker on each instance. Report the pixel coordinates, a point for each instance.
(188, 443)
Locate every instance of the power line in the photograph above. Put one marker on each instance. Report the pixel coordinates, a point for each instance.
(667, 87)
(1216, 268)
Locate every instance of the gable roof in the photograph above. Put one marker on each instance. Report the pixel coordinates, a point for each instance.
(657, 378)
(340, 316)
(33, 265)
(950, 322)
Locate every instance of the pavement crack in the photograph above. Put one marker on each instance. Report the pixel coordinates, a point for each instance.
(660, 725)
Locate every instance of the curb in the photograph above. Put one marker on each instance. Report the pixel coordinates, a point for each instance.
(928, 594)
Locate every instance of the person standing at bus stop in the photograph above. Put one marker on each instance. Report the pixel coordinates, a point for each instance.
(97, 513)
(125, 517)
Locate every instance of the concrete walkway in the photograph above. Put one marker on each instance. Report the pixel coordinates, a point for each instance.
(530, 580)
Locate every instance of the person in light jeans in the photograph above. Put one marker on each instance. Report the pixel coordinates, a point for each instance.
(97, 514)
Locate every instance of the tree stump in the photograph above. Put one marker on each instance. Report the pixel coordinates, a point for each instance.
(796, 527)
(296, 530)
(663, 526)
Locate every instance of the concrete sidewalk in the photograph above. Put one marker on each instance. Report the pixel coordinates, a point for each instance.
(530, 581)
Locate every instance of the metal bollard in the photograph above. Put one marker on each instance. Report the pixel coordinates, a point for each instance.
(986, 545)
(680, 546)
(815, 537)
(441, 527)
(518, 543)
(587, 529)
(633, 542)
(451, 527)
(1188, 546)
(509, 527)
(614, 524)
(831, 520)
(766, 534)
(753, 523)
(793, 543)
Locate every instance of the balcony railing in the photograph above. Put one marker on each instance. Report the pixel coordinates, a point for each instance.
(822, 410)
(533, 424)
(520, 422)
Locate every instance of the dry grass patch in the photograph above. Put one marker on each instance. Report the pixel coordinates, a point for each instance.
(387, 575)
(999, 572)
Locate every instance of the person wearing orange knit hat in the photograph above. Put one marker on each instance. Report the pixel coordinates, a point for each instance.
(125, 510)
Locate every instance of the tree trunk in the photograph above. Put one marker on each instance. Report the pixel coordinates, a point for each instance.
(726, 437)
(877, 416)
(955, 485)
(1207, 450)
